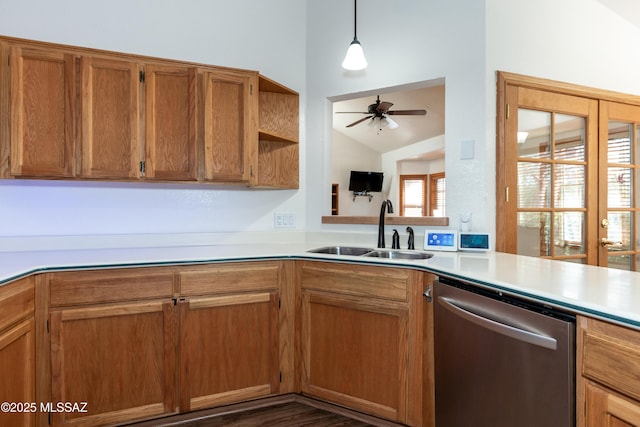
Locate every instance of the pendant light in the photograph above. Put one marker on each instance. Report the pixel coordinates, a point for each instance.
(355, 60)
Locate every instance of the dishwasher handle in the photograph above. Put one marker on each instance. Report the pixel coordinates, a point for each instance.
(501, 328)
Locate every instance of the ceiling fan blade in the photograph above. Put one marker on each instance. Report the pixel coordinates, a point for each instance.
(358, 121)
(383, 106)
(407, 112)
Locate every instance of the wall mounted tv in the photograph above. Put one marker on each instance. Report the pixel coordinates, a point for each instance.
(365, 182)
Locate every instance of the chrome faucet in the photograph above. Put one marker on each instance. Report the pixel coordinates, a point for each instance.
(386, 204)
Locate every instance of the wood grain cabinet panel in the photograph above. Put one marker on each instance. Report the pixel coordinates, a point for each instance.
(230, 125)
(608, 390)
(110, 118)
(117, 358)
(171, 98)
(17, 353)
(233, 343)
(365, 341)
(42, 105)
(229, 349)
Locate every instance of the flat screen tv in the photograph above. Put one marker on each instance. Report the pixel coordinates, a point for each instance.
(361, 182)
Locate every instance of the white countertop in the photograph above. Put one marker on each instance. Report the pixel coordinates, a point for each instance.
(601, 292)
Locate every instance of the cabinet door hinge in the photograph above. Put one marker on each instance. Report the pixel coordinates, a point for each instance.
(506, 194)
(142, 76)
(143, 167)
(250, 89)
(507, 111)
(279, 303)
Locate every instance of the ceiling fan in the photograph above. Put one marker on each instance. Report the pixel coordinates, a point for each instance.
(380, 110)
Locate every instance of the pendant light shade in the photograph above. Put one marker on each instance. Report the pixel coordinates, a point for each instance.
(355, 60)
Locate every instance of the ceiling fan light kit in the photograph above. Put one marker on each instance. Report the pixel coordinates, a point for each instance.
(355, 60)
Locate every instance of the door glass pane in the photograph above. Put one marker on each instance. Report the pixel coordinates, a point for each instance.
(619, 142)
(534, 134)
(637, 231)
(619, 187)
(534, 185)
(619, 231)
(534, 233)
(568, 189)
(569, 233)
(621, 262)
(569, 138)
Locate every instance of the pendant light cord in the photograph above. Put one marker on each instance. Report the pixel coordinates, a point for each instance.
(355, 19)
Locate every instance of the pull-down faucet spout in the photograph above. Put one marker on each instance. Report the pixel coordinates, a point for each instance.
(386, 204)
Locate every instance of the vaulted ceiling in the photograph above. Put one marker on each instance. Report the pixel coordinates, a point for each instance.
(411, 129)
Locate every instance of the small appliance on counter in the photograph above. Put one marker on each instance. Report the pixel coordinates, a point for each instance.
(475, 242)
(441, 240)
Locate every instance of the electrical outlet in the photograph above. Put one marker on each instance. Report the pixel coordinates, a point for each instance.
(284, 220)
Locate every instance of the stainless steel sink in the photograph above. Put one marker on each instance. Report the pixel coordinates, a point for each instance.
(358, 251)
(399, 254)
(342, 250)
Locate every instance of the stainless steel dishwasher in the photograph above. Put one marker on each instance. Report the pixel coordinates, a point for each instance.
(501, 361)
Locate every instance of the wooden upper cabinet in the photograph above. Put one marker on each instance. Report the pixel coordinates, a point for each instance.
(42, 113)
(230, 125)
(77, 113)
(278, 147)
(110, 118)
(171, 123)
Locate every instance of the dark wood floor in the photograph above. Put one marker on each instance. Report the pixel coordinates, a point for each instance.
(280, 412)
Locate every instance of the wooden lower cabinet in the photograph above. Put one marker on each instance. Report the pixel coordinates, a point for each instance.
(361, 340)
(116, 361)
(605, 408)
(608, 391)
(141, 343)
(228, 349)
(17, 354)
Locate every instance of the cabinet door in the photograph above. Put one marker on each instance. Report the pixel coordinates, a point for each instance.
(118, 358)
(171, 123)
(228, 349)
(17, 352)
(607, 409)
(110, 118)
(17, 371)
(42, 113)
(355, 353)
(230, 125)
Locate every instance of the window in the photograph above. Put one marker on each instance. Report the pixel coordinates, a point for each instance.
(436, 194)
(413, 195)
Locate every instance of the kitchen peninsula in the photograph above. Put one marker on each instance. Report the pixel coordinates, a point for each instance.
(160, 303)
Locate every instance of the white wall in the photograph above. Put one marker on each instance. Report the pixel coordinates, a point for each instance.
(268, 36)
(411, 41)
(348, 155)
(301, 44)
(465, 42)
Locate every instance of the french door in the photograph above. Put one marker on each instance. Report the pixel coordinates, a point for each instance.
(619, 236)
(567, 174)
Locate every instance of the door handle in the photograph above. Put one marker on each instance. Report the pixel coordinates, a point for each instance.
(606, 243)
(500, 328)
